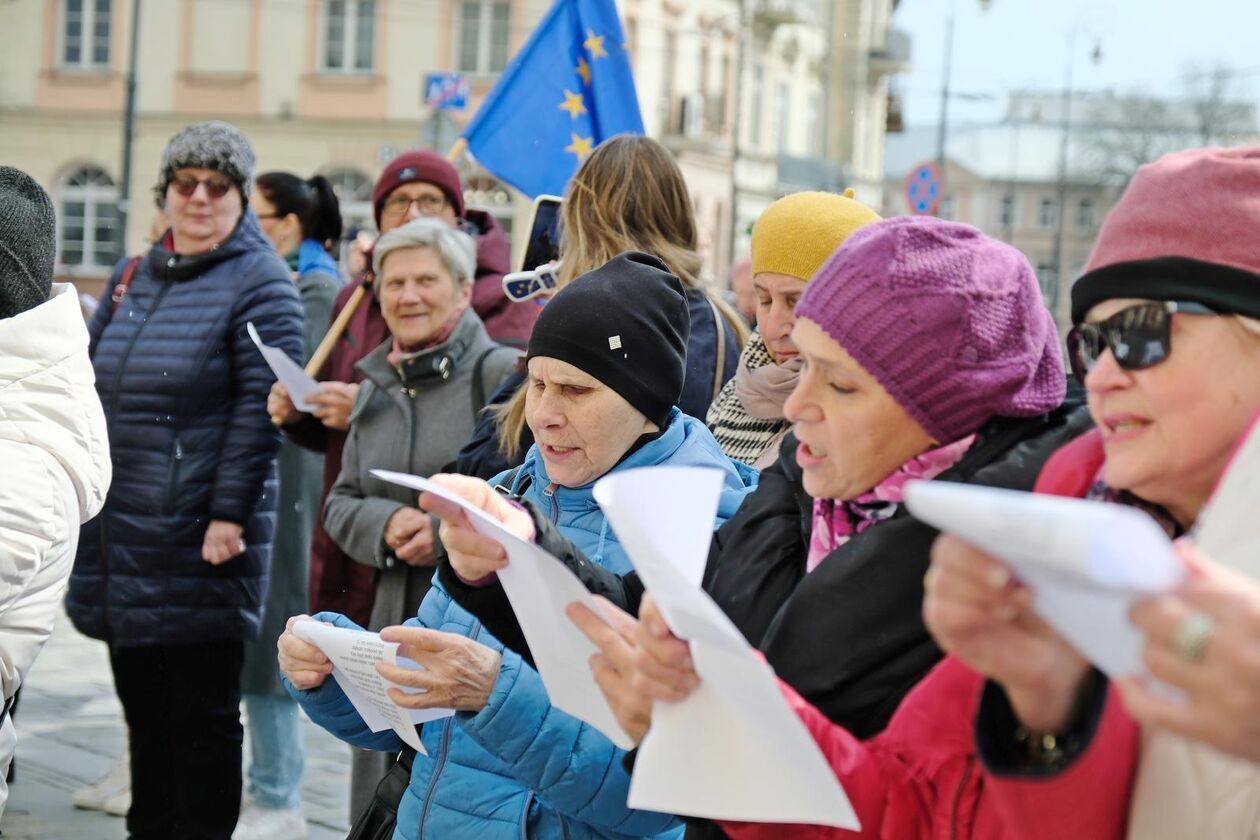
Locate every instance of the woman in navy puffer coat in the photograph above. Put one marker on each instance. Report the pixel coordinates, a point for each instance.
(173, 572)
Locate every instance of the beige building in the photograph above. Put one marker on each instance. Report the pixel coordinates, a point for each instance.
(328, 86)
(337, 87)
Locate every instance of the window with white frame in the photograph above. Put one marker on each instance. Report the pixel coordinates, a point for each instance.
(483, 36)
(354, 197)
(85, 30)
(349, 36)
(1047, 213)
(813, 136)
(948, 208)
(88, 217)
(755, 111)
(781, 118)
(1086, 214)
(1006, 212)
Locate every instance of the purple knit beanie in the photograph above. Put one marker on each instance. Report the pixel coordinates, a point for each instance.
(949, 321)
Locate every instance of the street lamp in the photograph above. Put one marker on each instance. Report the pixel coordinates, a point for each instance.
(1057, 292)
(942, 128)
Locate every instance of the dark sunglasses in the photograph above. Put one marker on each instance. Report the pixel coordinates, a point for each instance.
(216, 185)
(1138, 337)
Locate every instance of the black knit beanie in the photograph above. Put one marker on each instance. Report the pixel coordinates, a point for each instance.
(625, 324)
(28, 242)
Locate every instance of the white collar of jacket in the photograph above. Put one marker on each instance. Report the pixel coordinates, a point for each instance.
(48, 393)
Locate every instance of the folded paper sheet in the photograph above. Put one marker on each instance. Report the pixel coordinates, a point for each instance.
(539, 588)
(1085, 562)
(734, 749)
(298, 382)
(354, 654)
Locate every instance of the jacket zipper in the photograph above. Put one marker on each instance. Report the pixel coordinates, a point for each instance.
(953, 808)
(550, 493)
(109, 427)
(447, 725)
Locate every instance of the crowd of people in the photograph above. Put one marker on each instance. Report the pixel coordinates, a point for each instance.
(881, 352)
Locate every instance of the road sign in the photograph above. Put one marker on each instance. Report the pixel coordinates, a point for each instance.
(923, 189)
(446, 91)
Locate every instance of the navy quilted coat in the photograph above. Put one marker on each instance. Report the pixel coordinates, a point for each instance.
(185, 396)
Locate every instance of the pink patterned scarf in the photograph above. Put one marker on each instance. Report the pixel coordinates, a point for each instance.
(837, 520)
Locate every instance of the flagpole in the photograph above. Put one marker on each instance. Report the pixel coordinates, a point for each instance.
(330, 339)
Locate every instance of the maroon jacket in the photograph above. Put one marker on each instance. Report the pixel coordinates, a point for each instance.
(506, 321)
(337, 582)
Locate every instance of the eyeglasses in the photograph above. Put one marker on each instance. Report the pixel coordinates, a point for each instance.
(216, 185)
(1138, 337)
(430, 205)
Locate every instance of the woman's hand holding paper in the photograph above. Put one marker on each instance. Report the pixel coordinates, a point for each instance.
(979, 613)
(639, 661)
(473, 556)
(301, 662)
(459, 673)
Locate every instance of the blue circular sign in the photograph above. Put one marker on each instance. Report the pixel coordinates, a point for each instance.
(923, 189)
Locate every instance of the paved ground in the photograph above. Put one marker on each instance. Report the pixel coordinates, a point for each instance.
(70, 731)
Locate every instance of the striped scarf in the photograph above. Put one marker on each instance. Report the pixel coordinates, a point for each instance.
(742, 436)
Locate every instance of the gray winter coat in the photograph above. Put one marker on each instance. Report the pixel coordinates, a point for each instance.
(301, 476)
(412, 419)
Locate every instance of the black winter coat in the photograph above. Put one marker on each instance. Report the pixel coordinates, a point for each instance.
(849, 636)
(185, 396)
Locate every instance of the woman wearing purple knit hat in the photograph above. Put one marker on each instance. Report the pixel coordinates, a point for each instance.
(928, 354)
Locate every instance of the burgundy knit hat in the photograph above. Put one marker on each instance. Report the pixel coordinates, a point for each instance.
(418, 165)
(949, 321)
(1187, 228)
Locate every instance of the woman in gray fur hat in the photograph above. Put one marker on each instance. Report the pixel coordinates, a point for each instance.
(173, 572)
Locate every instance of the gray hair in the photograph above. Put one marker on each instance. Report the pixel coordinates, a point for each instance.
(455, 248)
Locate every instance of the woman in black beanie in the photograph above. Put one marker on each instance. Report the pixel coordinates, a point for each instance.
(606, 364)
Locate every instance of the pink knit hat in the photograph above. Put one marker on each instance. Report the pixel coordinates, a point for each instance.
(1187, 228)
(950, 322)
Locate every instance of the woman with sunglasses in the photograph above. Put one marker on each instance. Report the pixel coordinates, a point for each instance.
(1167, 343)
(173, 572)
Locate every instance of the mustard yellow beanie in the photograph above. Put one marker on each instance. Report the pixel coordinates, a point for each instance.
(796, 234)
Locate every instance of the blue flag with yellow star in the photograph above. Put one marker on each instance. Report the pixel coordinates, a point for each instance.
(569, 88)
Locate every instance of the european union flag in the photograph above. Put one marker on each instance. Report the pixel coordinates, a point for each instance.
(569, 88)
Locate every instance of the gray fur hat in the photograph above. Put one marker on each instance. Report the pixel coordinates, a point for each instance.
(28, 242)
(209, 145)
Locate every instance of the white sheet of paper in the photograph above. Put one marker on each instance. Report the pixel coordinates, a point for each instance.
(664, 517)
(539, 588)
(734, 749)
(297, 381)
(1085, 562)
(1228, 529)
(354, 654)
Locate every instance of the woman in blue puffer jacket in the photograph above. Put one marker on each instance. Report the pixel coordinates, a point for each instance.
(605, 368)
(173, 573)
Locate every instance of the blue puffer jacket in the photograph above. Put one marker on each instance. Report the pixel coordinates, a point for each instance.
(185, 396)
(520, 767)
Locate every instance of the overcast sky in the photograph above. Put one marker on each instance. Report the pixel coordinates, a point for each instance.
(1147, 45)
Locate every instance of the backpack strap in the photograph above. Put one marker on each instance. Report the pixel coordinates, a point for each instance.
(719, 323)
(479, 393)
(504, 484)
(124, 283)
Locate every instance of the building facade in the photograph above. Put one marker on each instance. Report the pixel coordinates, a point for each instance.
(756, 98)
(814, 100)
(1013, 180)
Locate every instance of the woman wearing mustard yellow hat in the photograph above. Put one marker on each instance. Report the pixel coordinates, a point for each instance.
(791, 241)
